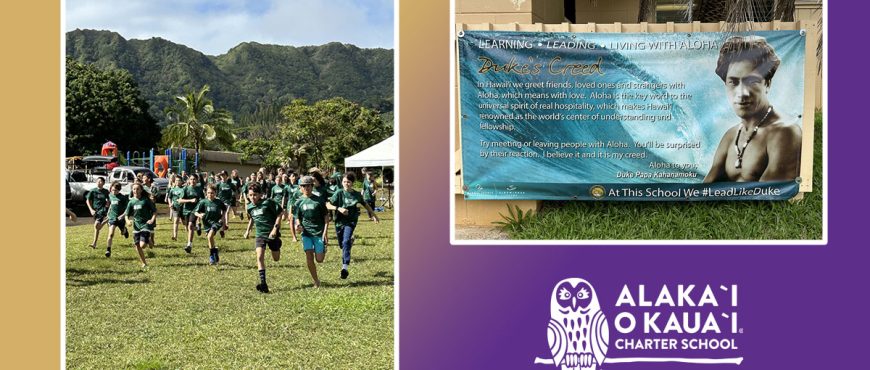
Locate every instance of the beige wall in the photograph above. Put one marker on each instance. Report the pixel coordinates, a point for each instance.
(244, 169)
(606, 11)
(510, 11)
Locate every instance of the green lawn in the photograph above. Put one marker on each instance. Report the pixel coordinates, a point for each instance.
(183, 313)
(676, 220)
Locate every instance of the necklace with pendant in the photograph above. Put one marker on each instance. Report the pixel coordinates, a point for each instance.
(740, 150)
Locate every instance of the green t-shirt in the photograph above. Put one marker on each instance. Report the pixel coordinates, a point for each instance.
(278, 193)
(337, 176)
(117, 205)
(200, 190)
(244, 191)
(190, 192)
(321, 194)
(332, 189)
(264, 215)
(176, 193)
(226, 190)
(311, 213)
(213, 211)
(237, 182)
(368, 191)
(98, 198)
(141, 210)
(346, 199)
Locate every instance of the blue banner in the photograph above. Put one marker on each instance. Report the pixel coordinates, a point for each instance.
(653, 116)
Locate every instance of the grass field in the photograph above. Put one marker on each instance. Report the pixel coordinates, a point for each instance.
(183, 313)
(681, 220)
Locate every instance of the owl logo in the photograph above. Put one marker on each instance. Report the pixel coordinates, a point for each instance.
(578, 333)
(597, 191)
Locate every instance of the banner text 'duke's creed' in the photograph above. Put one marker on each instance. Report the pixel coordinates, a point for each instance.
(652, 116)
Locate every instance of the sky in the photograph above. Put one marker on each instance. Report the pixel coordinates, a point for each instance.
(215, 26)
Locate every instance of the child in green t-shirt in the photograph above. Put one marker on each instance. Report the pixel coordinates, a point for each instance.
(117, 207)
(142, 214)
(98, 203)
(211, 212)
(265, 215)
(312, 221)
(345, 203)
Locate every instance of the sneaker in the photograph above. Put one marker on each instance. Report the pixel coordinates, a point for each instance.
(125, 233)
(263, 288)
(198, 230)
(188, 248)
(108, 252)
(93, 246)
(222, 234)
(212, 259)
(217, 256)
(344, 273)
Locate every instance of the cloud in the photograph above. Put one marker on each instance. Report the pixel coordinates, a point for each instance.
(213, 27)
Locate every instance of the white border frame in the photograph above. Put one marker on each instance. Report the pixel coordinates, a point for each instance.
(453, 133)
(62, 187)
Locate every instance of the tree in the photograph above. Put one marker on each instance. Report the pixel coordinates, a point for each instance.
(329, 130)
(194, 121)
(105, 105)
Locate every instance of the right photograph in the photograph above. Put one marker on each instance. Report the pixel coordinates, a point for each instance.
(637, 121)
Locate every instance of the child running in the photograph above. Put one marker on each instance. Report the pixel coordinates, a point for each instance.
(189, 201)
(174, 195)
(212, 213)
(265, 215)
(98, 203)
(237, 185)
(117, 207)
(225, 192)
(143, 215)
(312, 221)
(345, 203)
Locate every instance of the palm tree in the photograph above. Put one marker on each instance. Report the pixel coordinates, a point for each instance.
(194, 121)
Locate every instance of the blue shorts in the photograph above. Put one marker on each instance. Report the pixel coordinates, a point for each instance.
(314, 243)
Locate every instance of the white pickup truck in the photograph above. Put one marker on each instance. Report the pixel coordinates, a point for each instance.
(127, 174)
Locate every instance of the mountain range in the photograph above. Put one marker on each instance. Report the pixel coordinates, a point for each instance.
(248, 76)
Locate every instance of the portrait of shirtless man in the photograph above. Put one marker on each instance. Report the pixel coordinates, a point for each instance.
(763, 146)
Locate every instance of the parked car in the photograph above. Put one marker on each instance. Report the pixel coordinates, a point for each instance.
(78, 184)
(127, 174)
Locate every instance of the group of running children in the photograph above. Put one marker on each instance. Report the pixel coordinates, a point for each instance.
(205, 203)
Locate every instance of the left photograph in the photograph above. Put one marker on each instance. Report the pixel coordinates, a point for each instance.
(230, 175)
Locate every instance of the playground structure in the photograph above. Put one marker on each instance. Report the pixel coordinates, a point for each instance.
(176, 159)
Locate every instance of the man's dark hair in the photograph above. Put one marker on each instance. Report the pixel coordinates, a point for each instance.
(255, 187)
(752, 48)
(319, 178)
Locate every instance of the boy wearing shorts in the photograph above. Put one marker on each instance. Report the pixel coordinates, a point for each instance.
(212, 213)
(188, 201)
(98, 203)
(175, 194)
(117, 207)
(265, 215)
(312, 220)
(143, 215)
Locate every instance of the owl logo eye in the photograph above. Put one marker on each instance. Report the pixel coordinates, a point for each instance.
(583, 294)
(564, 294)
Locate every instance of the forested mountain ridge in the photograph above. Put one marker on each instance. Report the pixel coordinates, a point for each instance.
(247, 76)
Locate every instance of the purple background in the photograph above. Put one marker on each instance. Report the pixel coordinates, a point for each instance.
(487, 307)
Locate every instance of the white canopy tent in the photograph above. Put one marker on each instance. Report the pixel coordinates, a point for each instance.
(382, 154)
